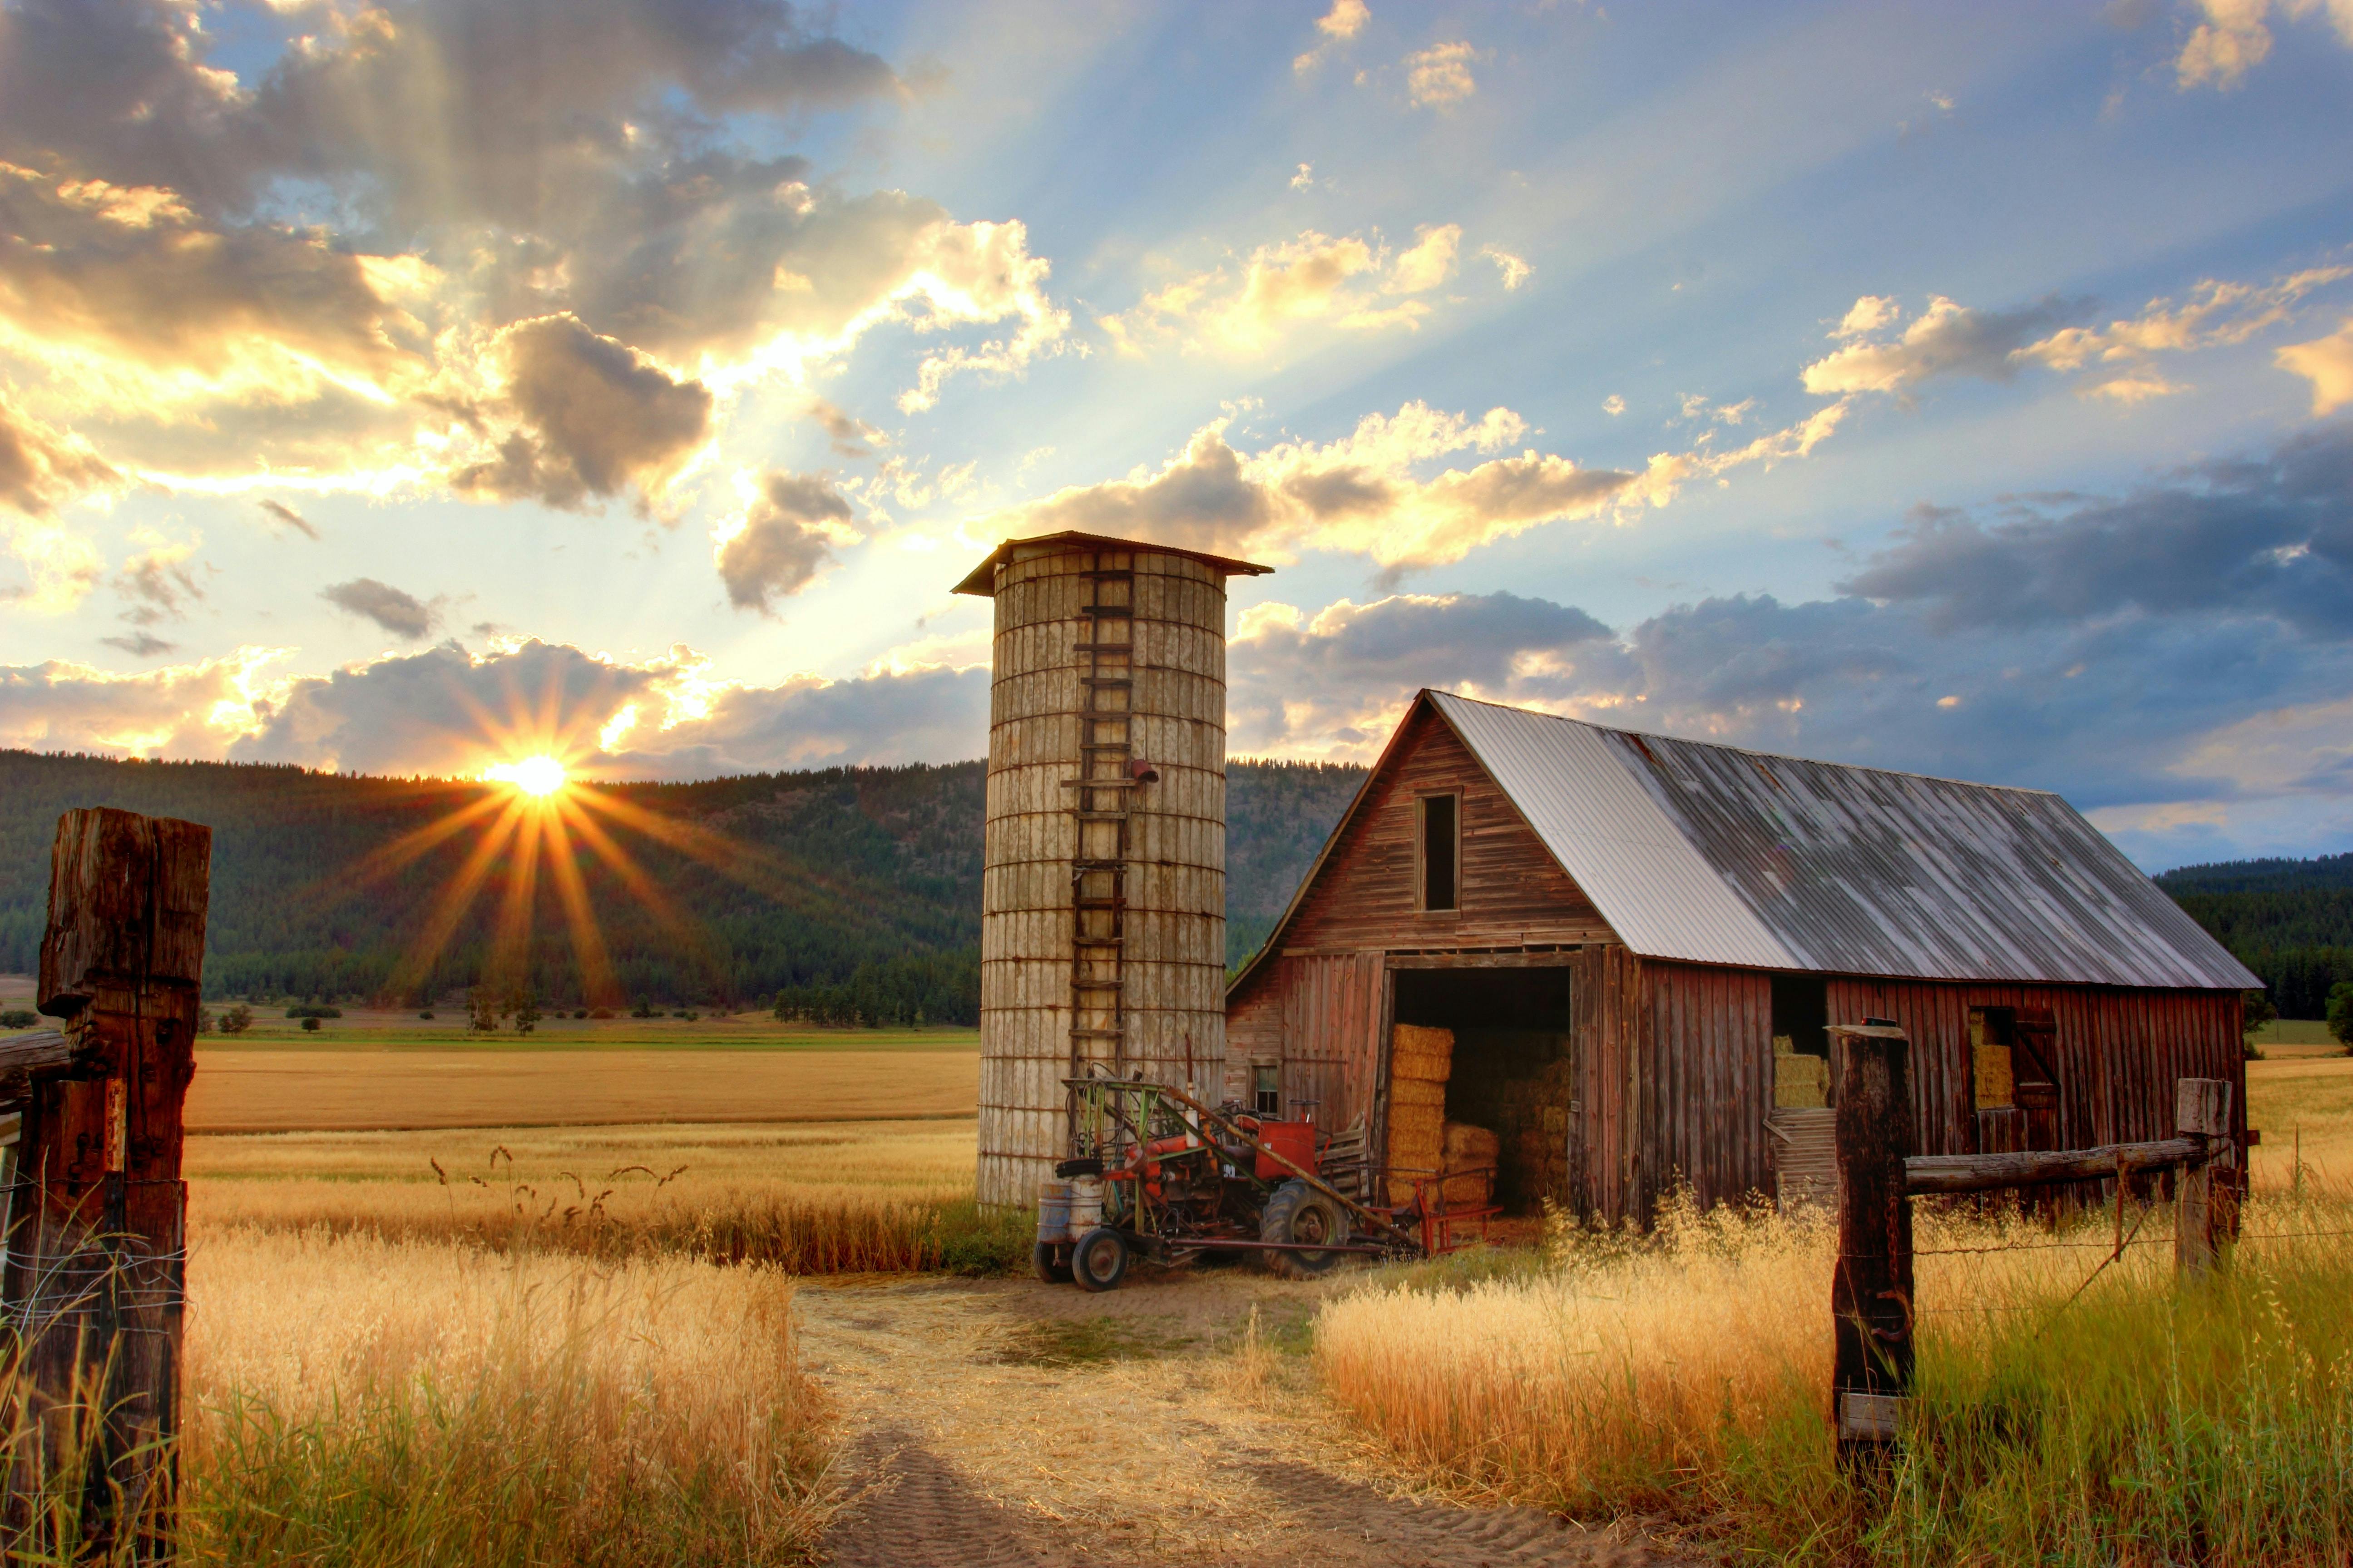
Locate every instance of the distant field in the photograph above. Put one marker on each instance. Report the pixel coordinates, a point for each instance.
(241, 1089)
(2295, 1032)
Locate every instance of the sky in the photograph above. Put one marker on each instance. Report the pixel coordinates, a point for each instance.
(406, 387)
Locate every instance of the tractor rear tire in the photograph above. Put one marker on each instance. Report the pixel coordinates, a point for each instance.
(1298, 1213)
(1051, 1261)
(1099, 1262)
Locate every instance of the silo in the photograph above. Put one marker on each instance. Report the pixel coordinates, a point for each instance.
(1102, 935)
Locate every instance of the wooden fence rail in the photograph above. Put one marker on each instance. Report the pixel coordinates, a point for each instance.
(1872, 1304)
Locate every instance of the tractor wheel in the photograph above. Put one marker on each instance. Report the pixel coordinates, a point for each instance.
(1099, 1262)
(1297, 1214)
(1052, 1262)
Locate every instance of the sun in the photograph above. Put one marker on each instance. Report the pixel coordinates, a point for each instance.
(540, 776)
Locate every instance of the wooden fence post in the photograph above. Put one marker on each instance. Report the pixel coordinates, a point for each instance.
(2202, 1109)
(94, 1278)
(1870, 1292)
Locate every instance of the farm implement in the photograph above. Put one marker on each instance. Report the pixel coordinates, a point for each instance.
(1157, 1177)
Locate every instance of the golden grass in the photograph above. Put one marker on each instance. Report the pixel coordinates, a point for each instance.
(356, 1400)
(265, 1090)
(837, 1197)
(1688, 1375)
(2305, 1096)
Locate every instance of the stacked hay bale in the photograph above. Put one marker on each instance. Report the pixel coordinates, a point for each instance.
(1420, 1061)
(1469, 1159)
(1533, 1121)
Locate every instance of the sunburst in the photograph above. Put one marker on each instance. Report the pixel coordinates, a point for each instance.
(539, 812)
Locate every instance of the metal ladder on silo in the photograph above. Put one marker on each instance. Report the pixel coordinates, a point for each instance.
(1104, 788)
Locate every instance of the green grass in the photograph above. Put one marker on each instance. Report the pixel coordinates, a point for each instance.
(2295, 1032)
(1084, 1341)
(346, 1035)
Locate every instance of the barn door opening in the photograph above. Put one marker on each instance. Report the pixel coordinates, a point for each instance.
(1486, 1059)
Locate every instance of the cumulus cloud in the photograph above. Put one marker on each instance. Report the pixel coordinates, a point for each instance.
(1949, 338)
(1355, 283)
(401, 614)
(1367, 493)
(596, 415)
(787, 532)
(602, 163)
(1343, 22)
(1440, 76)
(2328, 363)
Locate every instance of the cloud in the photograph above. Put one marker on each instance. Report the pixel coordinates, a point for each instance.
(2328, 363)
(787, 532)
(1440, 76)
(596, 415)
(441, 710)
(2269, 538)
(1281, 287)
(156, 580)
(1304, 179)
(2220, 50)
(142, 644)
(462, 177)
(1367, 493)
(1945, 339)
(403, 615)
(1343, 22)
(42, 469)
(1950, 339)
(1613, 405)
(1513, 269)
(288, 516)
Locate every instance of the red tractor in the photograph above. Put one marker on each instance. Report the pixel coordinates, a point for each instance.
(1156, 1176)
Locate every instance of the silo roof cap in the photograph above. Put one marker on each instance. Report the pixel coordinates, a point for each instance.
(983, 580)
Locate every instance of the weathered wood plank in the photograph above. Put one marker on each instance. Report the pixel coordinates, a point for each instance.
(2030, 1168)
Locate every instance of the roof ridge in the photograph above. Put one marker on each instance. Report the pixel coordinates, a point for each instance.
(1744, 751)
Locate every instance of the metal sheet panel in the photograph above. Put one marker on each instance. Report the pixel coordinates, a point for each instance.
(1717, 855)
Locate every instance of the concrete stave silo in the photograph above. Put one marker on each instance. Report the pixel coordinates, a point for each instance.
(1103, 905)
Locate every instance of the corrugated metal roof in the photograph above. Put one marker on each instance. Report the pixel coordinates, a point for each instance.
(1716, 855)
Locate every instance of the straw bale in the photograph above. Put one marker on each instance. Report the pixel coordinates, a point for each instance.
(1420, 1093)
(1467, 1146)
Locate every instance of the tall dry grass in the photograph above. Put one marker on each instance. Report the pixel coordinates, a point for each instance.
(354, 1400)
(1686, 1375)
(840, 1198)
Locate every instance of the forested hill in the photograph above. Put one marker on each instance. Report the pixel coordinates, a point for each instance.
(855, 888)
(2291, 921)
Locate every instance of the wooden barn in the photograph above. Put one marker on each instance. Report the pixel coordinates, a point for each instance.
(1637, 943)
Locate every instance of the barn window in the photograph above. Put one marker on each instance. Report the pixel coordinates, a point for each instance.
(1266, 1089)
(1441, 850)
(1992, 1039)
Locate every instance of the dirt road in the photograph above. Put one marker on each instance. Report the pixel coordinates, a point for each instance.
(1005, 1423)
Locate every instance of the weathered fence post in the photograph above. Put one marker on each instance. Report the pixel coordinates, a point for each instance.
(2202, 1109)
(94, 1277)
(1870, 1292)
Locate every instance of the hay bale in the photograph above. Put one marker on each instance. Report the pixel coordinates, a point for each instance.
(1468, 1190)
(1417, 1092)
(1415, 1052)
(1800, 1082)
(1467, 1147)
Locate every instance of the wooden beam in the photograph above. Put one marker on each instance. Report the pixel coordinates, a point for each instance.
(43, 1052)
(1561, 958)
(1991, 1173)
(2202, 1109)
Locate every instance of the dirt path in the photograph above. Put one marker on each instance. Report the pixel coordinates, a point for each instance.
(999, 1422)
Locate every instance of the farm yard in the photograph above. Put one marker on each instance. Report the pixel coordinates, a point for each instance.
(1451, 1412)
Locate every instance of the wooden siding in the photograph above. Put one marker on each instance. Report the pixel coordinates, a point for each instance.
(2119, 1052)
(1705, 1083)
(1332, 1008)
(1603, 1151)
(1512, 891)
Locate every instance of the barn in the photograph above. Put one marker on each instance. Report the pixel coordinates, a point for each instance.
(1637, 942)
